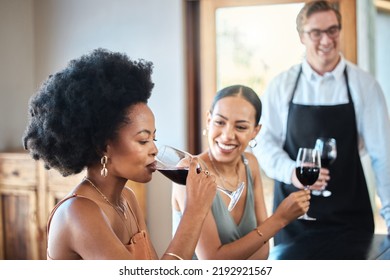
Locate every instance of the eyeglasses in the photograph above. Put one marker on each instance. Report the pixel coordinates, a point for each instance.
(316, 34)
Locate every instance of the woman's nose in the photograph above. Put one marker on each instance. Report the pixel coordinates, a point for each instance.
(154, 150)
(228, 132)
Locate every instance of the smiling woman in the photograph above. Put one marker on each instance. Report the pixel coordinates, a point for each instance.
(241, 232)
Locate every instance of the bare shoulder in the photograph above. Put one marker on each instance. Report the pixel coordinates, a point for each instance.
(254, 166)
(77, 209)
(252, 161)
(74, 217)
(131, 198)
(129, 194)
(75, 203)
(178, 196)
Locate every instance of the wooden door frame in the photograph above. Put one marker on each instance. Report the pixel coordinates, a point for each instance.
(201, 54)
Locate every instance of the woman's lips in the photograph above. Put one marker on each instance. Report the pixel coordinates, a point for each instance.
(225, 147)
(153, 166)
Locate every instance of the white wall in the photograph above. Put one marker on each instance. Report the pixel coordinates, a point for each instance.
(39, 37)
(16, 69)
(382, 44)
(373, 41)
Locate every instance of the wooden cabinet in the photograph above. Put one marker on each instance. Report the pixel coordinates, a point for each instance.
(19, 227)
(28, 193)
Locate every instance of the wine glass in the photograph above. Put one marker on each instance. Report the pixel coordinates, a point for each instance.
(174, 164)
(307, 169)
(328, 152)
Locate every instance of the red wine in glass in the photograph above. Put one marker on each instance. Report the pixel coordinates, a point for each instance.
(174, 164)
(307, 170)
(328, 151)
(307, 175)
(327, 160)
(177, 175)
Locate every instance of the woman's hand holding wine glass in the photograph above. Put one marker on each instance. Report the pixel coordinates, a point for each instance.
(174, 164)
(307, 169)
(294, 206)
(200, 187)
(185, 169)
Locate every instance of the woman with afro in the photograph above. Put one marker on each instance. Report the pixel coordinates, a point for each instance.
(93, 115)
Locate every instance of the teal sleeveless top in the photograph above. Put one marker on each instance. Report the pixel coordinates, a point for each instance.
(228, 230)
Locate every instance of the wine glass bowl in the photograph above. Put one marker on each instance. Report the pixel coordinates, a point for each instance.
(174, 164)
(328, 151)
(307, 170)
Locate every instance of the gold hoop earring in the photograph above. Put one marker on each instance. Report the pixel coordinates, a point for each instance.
(104, 171)
(253, 143)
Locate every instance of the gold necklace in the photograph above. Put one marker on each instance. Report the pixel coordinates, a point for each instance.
(116, 207)
(219, 174)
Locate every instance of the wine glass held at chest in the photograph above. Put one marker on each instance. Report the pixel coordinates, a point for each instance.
(328, 152)
(307, 170)
(174, 164)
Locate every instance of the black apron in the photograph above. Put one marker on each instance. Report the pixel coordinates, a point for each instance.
(348, 208)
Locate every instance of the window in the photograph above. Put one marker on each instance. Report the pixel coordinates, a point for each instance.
(223, 48)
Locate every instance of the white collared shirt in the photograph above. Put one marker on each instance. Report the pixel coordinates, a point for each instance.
(372, 118)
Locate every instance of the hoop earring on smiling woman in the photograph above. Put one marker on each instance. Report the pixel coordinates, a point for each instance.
(104, 171)
(253, 143)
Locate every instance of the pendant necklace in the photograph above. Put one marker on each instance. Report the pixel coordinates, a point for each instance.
(116, 207)
(219, 174)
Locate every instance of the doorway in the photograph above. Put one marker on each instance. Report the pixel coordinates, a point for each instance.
(245, 42)
(249, 48)
(249, 42)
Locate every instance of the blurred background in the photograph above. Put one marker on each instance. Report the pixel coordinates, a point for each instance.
(38, 37)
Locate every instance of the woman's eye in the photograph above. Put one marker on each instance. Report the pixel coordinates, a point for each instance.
(143, 142)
